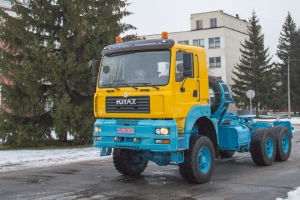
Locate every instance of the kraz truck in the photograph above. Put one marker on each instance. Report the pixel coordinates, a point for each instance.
(154, 101)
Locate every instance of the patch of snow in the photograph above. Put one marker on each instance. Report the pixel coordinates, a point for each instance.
(293, 120)
(292, 195)
(21, 159)
(53, 135)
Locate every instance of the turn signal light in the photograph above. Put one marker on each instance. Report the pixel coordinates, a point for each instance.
(97, 138)
(162, 141)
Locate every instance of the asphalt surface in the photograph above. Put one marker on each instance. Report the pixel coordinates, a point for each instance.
(234, 178)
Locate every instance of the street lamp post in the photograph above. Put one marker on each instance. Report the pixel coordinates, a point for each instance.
(289, 92)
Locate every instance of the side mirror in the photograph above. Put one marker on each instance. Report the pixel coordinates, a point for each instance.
(95, 67)
(187, 65)
(94, 64)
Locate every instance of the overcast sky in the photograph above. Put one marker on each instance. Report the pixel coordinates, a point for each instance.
(155, 16)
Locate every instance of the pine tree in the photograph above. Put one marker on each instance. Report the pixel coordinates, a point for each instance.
(46, 48)
(295, 72)
(254, 70)
(287, 53)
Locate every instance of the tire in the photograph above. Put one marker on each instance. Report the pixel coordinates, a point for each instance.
(283, 142)
(199, 160)
(127, 162)
(263, 147)
(214, 86)
(226, 153)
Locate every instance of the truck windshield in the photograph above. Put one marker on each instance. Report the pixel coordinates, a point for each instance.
(144, 68)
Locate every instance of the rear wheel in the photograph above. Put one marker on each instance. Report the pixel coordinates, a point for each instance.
(283, 141)
(128, 162)
(263, 147)
(199, 160)
(226, 153)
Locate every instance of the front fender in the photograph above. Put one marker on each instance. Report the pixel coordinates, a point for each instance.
(195, 113)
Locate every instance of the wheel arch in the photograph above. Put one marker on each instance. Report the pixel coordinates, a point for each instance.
(194, 114)
(208, 127)
(203, 125)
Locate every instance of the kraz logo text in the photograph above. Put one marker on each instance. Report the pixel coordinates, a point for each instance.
(125, 101)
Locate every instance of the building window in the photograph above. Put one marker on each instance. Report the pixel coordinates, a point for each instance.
(199, 24)
(214, 42)
(199, 42)
(183, 42)
(213, 22)
(214, 62)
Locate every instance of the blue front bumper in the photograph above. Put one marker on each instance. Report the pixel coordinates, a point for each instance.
(141, 135)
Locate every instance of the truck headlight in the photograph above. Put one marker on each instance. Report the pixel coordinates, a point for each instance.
(97, 129)
(162, 131)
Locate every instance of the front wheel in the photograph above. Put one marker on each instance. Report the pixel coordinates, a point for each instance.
(128, 162)
(263, 147)
(283, 141)
(199, 161)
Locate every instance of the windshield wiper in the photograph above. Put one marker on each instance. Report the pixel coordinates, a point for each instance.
(119, 84)
(127, 85)
(111, 85)
(146, 84)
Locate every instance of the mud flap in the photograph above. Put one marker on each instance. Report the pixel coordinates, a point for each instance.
(105, 151)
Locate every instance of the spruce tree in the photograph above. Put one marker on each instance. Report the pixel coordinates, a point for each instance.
(287, 53)
(254, 70)
(295, 72)
(44, 55)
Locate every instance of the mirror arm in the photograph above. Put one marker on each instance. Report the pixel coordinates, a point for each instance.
(182, 89)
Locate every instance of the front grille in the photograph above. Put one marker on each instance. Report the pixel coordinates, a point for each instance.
(133, 104)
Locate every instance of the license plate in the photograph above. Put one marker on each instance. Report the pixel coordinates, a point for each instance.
(125, 130)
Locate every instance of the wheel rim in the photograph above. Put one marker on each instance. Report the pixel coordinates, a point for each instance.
(285, 143)
(204, 159)
(269, 147)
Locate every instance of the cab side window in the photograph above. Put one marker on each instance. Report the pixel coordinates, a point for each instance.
(179, 65)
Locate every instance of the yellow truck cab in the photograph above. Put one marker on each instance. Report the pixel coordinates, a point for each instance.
(151, 70)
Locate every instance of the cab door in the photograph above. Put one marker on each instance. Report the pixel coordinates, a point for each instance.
(186, 86)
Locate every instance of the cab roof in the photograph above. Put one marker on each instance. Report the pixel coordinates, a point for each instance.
(139, 45)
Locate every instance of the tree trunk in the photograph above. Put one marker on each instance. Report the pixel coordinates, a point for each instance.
(63, 136)
(256, 110)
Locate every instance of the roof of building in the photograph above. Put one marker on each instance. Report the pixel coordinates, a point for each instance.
(221, 11)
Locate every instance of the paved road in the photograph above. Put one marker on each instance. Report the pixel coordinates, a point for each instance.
(234, 178)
